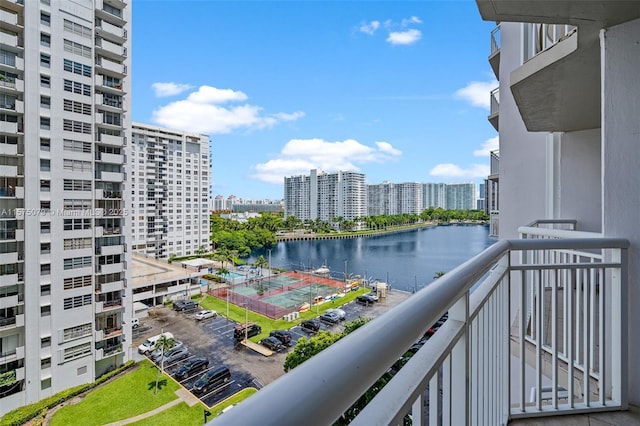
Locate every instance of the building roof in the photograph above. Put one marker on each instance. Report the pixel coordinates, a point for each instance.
(148, 271)
(198, 262)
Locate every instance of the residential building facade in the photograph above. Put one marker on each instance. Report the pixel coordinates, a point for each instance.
(434, 195)
(390, 198)
(64, 195)
(325, 196)
(170, 191)
(461, 196)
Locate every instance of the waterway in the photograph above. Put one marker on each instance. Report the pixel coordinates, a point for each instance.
(407, 260)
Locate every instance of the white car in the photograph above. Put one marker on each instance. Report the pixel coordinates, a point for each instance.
(341, 314)
(205, 314)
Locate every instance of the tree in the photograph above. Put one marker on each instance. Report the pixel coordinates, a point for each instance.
(164, 343)
(202, 250)
(261, 262)
(438, 274)
(223, 272)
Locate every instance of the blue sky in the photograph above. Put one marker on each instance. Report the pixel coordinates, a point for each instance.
(396, 90)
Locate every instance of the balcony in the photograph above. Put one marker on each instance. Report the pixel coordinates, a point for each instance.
(114, 67)
(537, 327)
(494, 56)
(110, 176)
(17, 85)
(111, 268)
(109, 49)
(109, 250)
(110, 158)
(111, 140)
(494, 112)
(110, 31)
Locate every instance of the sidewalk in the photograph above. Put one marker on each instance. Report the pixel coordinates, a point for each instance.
(183, 396)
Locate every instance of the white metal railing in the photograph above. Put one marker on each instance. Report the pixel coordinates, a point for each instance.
(488, 363)
(494, 101)
(495, 40)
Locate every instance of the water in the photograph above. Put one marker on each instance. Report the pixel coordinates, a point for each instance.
(407, 260)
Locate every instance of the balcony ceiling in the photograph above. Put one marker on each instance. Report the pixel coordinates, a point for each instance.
(605, 13)
(559, 89)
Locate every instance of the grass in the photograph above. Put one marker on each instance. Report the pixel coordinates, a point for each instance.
(238, 314)
(184, 415)
(127, 396)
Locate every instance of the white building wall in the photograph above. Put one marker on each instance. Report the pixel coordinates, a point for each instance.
(621, 157)
(522, 154)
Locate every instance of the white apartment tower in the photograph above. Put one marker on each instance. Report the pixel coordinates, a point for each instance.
(64, 200)
(390, 198)
(326, 196)
(170, 191)
(461, 196)
(434, 195)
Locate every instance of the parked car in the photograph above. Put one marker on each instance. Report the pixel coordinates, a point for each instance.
(207, 313)
(191, 366)
(312, 325)
(149, 345)
(184, 305)
(272, 343)
(285, 337)
(342, 314)
(174, 354)
(135, 323)
(157, 353)
(365, 299)
(332, 317)
(212, 379)
(373, 295)
(246, 330)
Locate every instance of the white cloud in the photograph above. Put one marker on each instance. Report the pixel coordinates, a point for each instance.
(412, 20)
(455, 172)
(404, 37)
(200, 112)
(477, 93)
(488, 146)
(213, 95)
(169, 89)
(369, 27)
(298, 156)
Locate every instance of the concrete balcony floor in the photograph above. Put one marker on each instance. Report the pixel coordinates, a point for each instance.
(619, 418)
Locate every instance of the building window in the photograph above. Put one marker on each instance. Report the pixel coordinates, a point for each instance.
(77, 301)
(45, 81)
(45, 60)
(77, 332)
(77, 262)
(45, 290)
(77, 352)
(77, 68)
(78, 107)
(45, 227)
(45, 19)
(45, 144)
(45, 123)
(78, 29)
(77, 282)
(45, 342)
(45, 269)
(45, 165)
(45, 40)
(75, 224)
(45, 102)
(76, 126)
(77, 48)
(45, 311)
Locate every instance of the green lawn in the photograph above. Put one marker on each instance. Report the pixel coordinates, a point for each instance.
(184, 415)
(238, 314)
(126, 396)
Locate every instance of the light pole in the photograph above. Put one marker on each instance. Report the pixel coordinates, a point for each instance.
(345, 270)
(269, 266)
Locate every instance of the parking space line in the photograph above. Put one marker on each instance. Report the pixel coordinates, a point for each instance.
(216, 390)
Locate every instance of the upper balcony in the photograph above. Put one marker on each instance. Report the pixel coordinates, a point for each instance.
(494, 110)
(494, 56)
(536, 327)
(557, 88)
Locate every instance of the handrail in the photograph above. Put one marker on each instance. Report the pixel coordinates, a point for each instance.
(322, 388)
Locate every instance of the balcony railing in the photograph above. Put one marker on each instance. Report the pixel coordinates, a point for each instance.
(536, 326)
(539, 37)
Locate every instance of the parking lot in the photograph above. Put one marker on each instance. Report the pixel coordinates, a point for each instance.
(213, 338)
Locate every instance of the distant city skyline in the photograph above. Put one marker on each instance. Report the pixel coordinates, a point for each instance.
(398, 91)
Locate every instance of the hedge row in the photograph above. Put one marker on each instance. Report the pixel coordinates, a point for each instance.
(21, 415)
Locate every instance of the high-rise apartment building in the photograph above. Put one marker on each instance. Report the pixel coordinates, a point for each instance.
(434, 195)
(64, 85)
(325, 196)
(390, 198)
(170, 191)
(461, 196)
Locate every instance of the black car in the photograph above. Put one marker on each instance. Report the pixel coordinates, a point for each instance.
(212, 379)
(246, 330)
(184, 305)
(310, 325)
(286, 337)
(191, 366)
(272, 343)
(365, 299)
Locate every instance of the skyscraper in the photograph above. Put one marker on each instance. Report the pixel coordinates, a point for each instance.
(64, 197)
(170, 191)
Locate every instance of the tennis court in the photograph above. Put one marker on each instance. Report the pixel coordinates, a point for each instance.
(280, 294)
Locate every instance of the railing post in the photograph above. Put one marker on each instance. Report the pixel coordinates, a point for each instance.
(458, 376)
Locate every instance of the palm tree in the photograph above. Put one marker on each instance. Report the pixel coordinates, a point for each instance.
(222, 272)
(164, 343)
(438, 275)
(260, 263)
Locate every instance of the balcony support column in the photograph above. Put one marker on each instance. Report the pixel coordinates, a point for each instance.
(458, 375)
